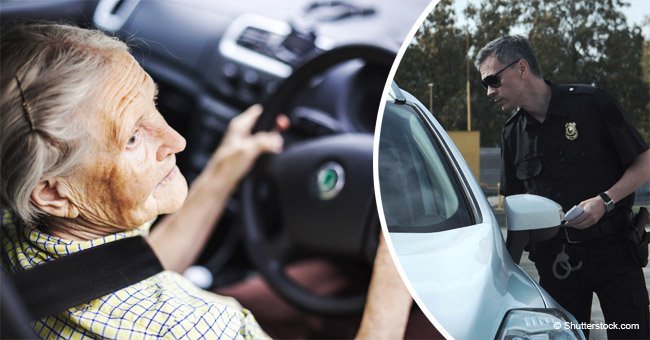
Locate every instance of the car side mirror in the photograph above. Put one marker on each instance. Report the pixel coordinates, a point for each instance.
(530, 219)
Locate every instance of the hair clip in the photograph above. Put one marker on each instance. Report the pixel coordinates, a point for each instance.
(28, 114)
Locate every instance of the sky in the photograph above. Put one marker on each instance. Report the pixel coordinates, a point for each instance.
(636, 12)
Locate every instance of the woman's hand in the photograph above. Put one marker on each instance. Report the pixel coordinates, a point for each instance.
(388, 305)
(179, 238)
(240, 148)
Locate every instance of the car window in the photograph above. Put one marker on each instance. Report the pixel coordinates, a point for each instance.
(419, 192)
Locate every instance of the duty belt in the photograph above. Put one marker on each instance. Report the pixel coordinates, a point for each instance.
(613, 225)
(579, 253)
(604, 254)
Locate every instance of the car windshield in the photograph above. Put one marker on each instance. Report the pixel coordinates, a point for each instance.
(419, 192)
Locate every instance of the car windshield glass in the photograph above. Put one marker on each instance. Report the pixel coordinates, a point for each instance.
(419, 192)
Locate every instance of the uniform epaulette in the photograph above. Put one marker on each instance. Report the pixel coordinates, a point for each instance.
(601, 97)
(580, 89)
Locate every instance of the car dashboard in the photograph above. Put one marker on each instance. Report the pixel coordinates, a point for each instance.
(211, 60)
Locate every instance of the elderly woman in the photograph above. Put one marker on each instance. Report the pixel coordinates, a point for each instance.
(87, 159)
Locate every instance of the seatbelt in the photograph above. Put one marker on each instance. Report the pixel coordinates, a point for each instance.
(86, 275)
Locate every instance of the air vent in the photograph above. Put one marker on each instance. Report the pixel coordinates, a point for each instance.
(248, 39)
(111, 15)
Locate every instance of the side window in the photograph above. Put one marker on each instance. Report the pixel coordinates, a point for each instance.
(417, 187)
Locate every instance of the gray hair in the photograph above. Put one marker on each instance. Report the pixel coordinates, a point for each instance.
(508, 49)
(56, 67)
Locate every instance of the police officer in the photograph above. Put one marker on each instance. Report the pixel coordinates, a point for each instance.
(574, 145)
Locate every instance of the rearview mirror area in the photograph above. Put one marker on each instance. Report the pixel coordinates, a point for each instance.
(529, 212)
(530, 219)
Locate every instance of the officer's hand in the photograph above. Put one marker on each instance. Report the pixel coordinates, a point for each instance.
(593, 208)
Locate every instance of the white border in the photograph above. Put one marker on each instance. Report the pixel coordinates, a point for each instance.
(375, 169)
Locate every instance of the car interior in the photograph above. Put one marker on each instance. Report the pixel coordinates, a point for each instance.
(419, 191)
(323, 64)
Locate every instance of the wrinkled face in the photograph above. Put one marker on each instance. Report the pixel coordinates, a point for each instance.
(507, 96)
(130, 174)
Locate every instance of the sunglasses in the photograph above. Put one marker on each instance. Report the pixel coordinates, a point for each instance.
(494, 80)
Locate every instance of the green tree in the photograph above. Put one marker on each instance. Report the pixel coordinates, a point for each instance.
(437, 55)
(646, 61)
(590, 42)
(586, 41)
(490, 20)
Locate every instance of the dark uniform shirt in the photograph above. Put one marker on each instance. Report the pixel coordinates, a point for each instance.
(582, 148)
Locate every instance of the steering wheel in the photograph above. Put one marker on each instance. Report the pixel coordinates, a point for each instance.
(322, 188)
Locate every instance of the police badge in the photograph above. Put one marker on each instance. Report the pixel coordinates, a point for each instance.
(570, 131)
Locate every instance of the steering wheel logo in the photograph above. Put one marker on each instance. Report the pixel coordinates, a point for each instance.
(330, 180)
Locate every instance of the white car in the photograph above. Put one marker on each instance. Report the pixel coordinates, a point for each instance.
(448, 241)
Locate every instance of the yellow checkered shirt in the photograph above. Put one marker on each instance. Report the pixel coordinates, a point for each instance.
(165, 305)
